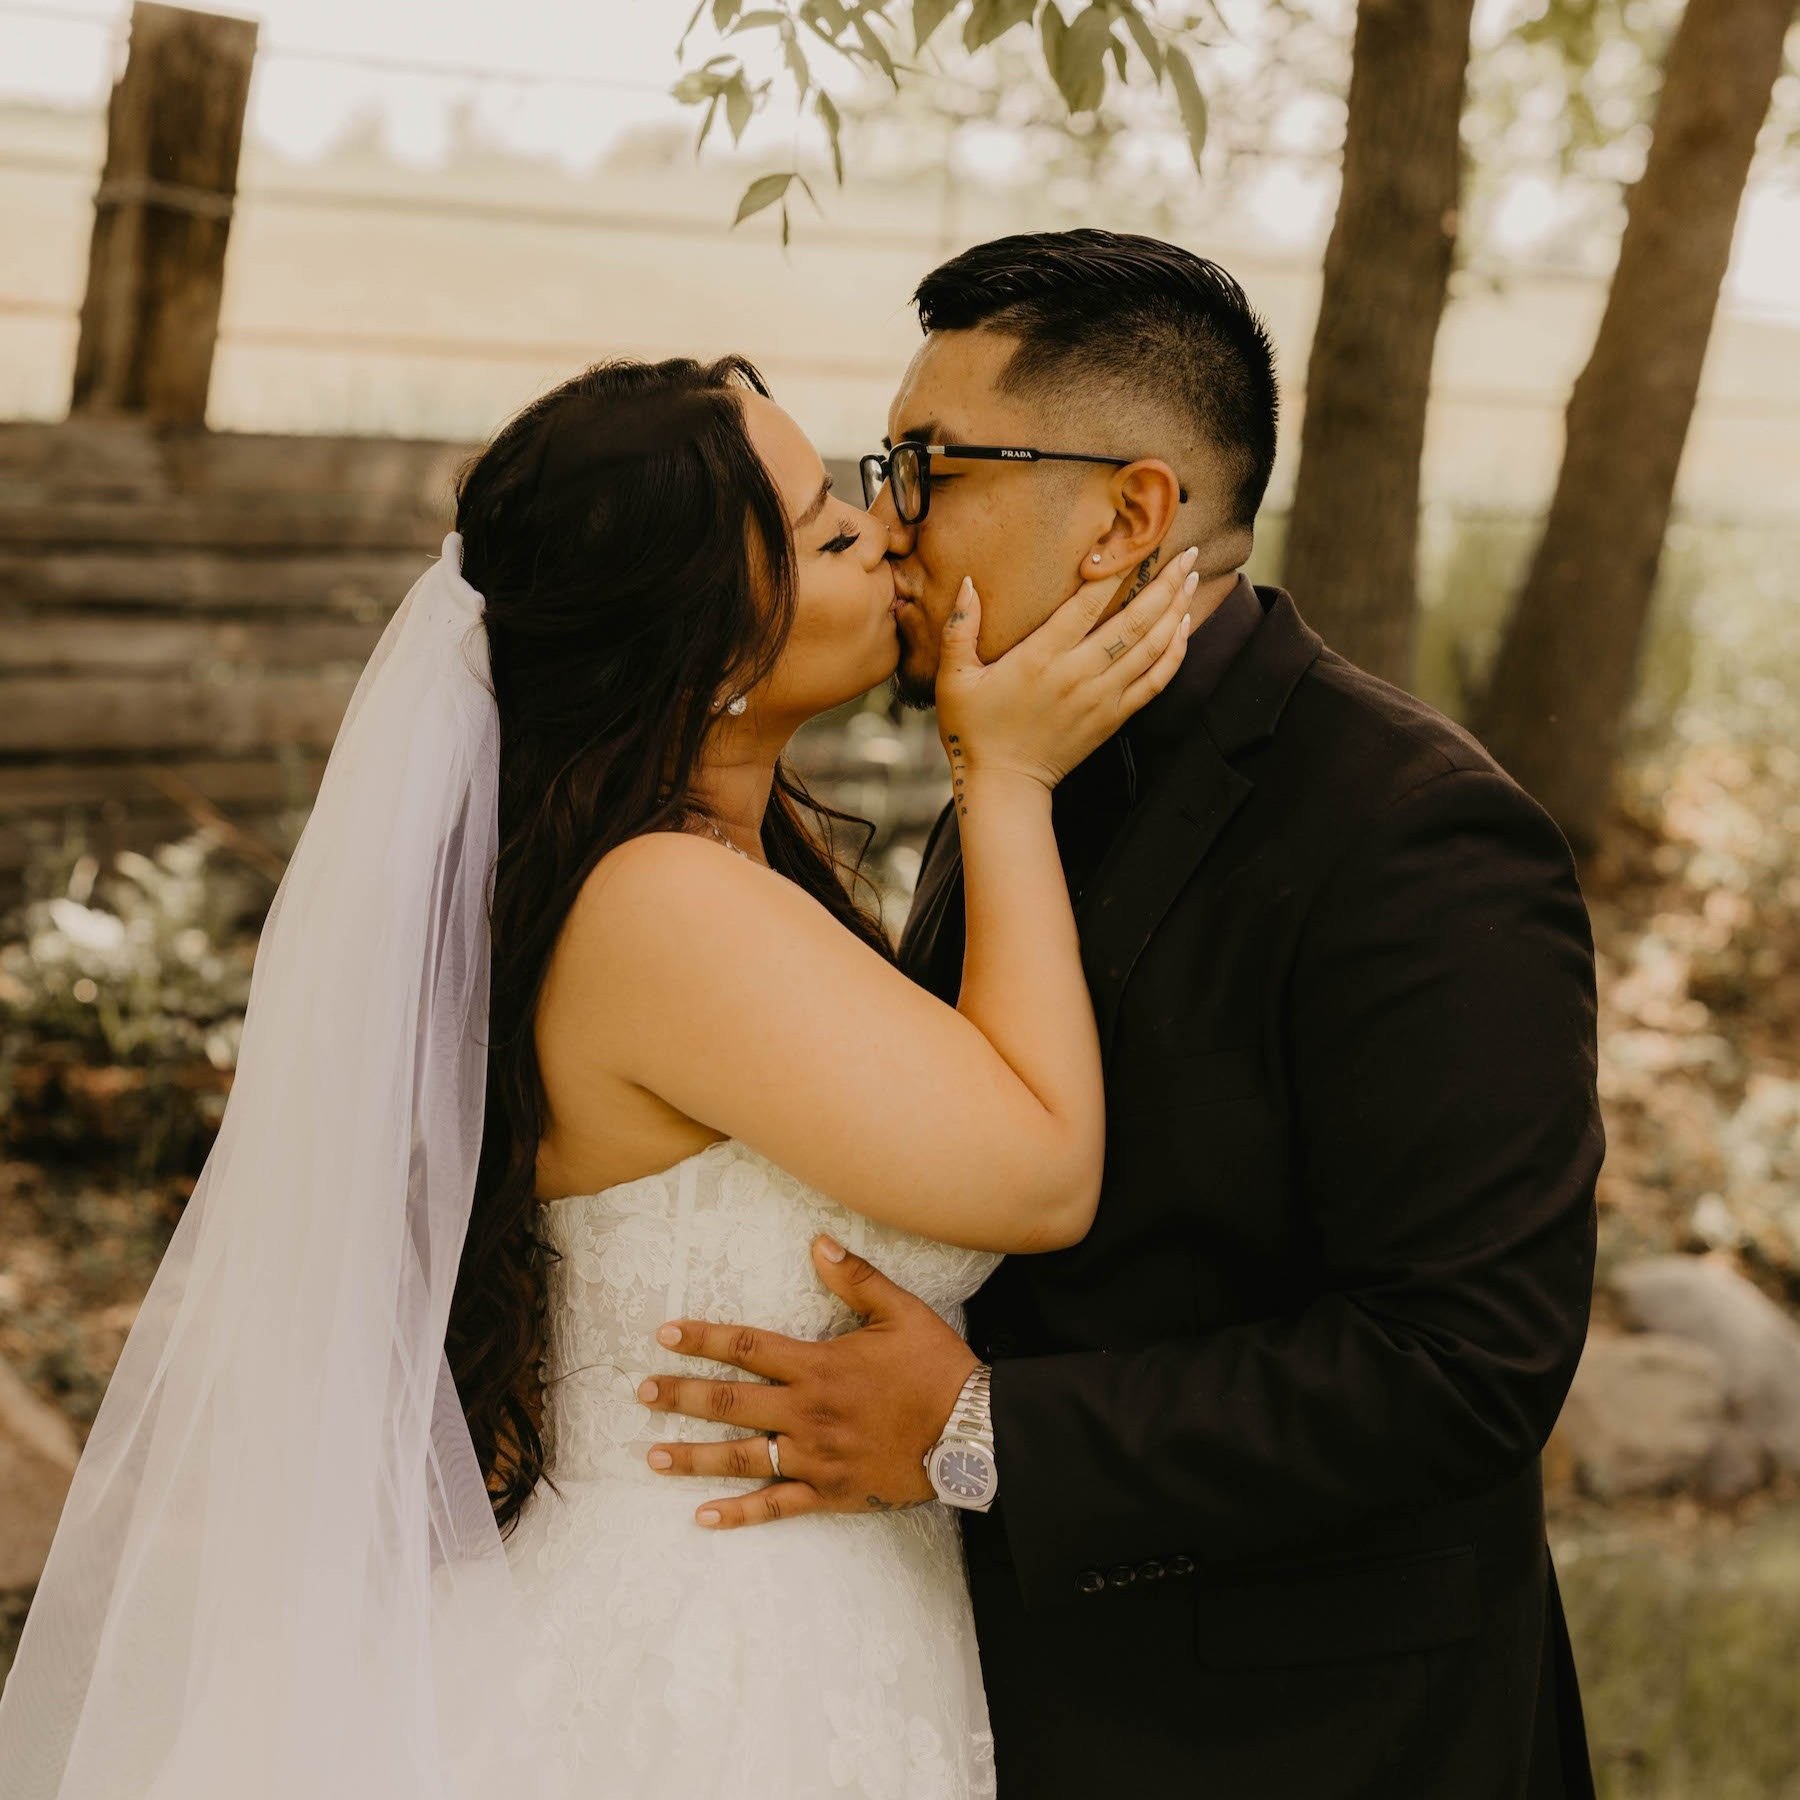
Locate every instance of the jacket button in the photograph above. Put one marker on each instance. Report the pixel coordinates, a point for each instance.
(1089, 1581)
(1150, 1571)
(1181, 1565)
(1123, 1576)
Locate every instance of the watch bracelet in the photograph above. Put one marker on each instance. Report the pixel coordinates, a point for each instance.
(973, 1416)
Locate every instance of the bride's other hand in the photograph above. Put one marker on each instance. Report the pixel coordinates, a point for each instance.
(1057, 695)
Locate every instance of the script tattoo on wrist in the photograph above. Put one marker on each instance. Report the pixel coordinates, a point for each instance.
(875, 1503)
(956, 775)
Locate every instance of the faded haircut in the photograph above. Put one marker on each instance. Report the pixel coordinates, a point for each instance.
(1104, 315)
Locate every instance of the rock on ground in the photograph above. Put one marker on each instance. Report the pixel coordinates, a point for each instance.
(1706, 1302)
(1648, 1414)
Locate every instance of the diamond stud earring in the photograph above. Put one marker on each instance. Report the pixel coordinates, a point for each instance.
(734, 706)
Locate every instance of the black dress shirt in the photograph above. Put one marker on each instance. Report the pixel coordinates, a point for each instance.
(1091, 801)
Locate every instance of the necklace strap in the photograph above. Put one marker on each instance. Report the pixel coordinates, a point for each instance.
(725, 839)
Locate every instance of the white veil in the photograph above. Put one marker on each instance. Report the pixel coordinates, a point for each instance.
(277, 1575)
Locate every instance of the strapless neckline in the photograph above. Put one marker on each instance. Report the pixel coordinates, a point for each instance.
(654, 1175)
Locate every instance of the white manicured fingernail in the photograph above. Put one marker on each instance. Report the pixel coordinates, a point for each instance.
(1187, 623)
(1192, 582)
(670, 1334)
(707, 1517)
(831, 1249)
(661, 1459)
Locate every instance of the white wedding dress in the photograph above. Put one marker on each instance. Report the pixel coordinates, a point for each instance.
(830, 1655)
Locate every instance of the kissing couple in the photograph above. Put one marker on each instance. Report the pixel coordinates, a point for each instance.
(638, 1334)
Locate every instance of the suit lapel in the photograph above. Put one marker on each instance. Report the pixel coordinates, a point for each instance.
(1167, 834)
(940, 882)
(1158, 847)
(1164, 837)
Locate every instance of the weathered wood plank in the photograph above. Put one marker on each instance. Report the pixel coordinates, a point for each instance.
(365, 584)
(324, 521)
(162, 216)
(126, 457)
(253, 782)
(40, 643)
(50, 715)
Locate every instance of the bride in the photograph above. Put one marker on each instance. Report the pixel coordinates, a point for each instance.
(367, 1510)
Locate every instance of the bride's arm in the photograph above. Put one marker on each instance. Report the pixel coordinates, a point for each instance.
(732, 995)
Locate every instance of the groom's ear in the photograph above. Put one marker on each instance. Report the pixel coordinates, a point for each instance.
(1146, 497)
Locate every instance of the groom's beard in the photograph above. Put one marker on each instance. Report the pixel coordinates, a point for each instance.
(913, 692)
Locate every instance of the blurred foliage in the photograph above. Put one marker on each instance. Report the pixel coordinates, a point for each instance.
(136, 962)
(122, 996)
(1695, 891)
(1080, 56)
(1686, 1639)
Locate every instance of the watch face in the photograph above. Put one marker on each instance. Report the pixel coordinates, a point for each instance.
(964, 1472)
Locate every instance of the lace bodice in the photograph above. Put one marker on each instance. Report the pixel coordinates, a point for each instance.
(829, 1654)
(723, 1235)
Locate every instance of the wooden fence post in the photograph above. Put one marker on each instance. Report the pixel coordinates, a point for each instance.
(162, 216)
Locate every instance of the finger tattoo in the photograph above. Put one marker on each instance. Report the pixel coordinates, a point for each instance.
(1141, 580)
(1115, 650)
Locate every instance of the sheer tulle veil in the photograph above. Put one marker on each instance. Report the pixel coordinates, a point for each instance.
(278, 1574)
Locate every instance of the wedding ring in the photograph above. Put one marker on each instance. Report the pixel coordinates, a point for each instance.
(774, 1458)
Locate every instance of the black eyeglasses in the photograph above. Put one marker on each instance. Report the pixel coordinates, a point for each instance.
(908, 467)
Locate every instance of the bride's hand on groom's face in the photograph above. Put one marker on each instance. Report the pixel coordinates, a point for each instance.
(852, 1417)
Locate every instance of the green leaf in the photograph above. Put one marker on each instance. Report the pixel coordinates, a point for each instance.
(990, 19)
(758, 20)
(765, 190)
(1193, 102)
(1052, 29)
(797, 64)
(927, 16)
(1145, 39)
(738, 107)
(826, 17)
(1118, 55)
(784, 225)
(1079, 66)
(688, 28)
(709, 83)
(827, 110)
(706, 124)
(724, 11)
(876, 50)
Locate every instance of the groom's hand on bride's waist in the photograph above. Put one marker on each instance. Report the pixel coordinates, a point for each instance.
(851, 1417)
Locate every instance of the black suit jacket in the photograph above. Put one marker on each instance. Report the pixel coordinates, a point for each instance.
(1270, 1517)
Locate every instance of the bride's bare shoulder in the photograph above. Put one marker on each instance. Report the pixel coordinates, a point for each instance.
(666, 886)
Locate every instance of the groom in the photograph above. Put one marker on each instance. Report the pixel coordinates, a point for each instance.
(1266, 1517)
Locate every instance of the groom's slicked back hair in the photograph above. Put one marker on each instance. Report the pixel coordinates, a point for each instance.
(1101, 313)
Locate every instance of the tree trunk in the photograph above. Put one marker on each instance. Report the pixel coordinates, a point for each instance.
(1556, 701)
(1353, 533)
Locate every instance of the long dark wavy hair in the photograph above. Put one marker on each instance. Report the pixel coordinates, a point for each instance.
(635, 561)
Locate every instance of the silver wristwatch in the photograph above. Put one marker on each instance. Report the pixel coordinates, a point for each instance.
(961, 1463)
